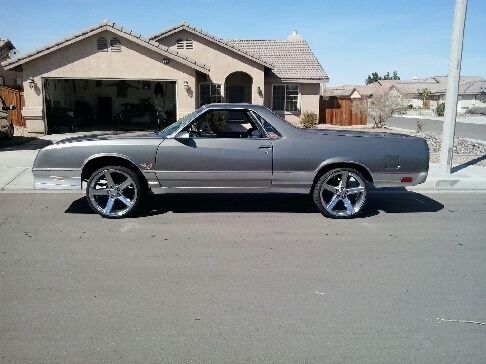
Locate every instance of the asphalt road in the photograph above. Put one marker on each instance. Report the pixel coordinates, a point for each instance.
(243, 279)
(463, 130)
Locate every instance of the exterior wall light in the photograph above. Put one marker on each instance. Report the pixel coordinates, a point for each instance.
(31, 82)
(186, 85)
(259, 91)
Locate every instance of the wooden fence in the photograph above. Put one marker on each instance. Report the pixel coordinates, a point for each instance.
(338, 111)
(12, 96)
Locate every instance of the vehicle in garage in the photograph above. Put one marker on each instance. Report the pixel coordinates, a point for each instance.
(104, 104)
(233, 148)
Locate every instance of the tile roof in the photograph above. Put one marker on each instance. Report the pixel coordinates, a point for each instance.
(106, 25)
(221, 42)
(292, 59)
(436, 84)
(343, 90)
(6, 42)
(474, 87)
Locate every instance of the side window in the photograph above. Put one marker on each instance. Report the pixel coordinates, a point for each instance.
(224, 124)
(209, 93)
(269, 129)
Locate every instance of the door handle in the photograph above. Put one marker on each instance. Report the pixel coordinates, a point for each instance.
(265, 147)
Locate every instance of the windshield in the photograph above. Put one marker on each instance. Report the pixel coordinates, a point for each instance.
(173, 127)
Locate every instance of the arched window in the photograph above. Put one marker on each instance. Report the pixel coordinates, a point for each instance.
(115, 45)
(102, 44)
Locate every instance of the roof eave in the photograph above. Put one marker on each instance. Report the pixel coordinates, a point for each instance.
(211, 38)
(8, 65)
(305, 80)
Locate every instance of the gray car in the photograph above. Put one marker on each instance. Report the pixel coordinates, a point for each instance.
(224, 148)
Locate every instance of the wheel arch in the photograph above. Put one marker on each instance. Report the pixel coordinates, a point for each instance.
(327, 166)
(98, 161)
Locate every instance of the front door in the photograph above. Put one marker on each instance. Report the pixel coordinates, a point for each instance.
(236, 94)
(226, 149)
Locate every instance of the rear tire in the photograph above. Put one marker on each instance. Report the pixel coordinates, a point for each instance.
(114, 192)
(340, 193)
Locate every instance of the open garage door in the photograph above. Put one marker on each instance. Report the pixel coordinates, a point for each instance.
(103, 104)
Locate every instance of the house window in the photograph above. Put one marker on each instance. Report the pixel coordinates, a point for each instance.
(285, 98)
(209, 93)
(102, 44)
(180, 44)
(2, 81)
(189, 44)
(115, 45)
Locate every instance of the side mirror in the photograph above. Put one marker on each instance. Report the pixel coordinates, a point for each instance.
(12, 107)
(183, 135)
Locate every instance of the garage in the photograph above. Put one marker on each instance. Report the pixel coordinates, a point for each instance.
(107, 104)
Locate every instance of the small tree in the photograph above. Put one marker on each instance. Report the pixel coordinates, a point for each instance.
(425, 93)
(376, 77)
(440, 109)
(380, 107)
(308, 119)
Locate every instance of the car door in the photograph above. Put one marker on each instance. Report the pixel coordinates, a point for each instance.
(226, 149)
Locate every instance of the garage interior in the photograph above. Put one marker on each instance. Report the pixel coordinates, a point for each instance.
(104, 104)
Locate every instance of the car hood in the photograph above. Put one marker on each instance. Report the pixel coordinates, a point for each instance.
(111, 136)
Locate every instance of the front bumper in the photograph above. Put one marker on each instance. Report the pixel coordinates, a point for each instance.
(57, 179)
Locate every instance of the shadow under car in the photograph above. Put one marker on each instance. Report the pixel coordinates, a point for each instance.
(401, 201)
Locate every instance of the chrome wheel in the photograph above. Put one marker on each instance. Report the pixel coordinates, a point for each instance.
(343, 193)
(112, 192)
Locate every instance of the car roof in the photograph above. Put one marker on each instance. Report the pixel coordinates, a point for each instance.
(231, 106)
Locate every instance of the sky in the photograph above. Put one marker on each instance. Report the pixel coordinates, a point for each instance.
(351, 39)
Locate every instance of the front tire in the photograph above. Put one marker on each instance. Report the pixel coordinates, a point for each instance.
(114, 192)
(340, 193)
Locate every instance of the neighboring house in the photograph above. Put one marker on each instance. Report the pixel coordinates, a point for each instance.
(344, 91)
(472, 91)
(100, 72)
(8, 78)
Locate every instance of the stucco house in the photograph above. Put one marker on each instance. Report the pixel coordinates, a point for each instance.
(8, 78)
(472, 91)
(99, 76)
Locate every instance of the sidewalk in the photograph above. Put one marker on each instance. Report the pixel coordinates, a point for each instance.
(468, 178)
(16, 175)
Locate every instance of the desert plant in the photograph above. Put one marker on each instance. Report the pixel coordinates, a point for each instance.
(425, 93)
(476, 110)
(439, 110)
(380, 107)
(308, 119)
(420, 127)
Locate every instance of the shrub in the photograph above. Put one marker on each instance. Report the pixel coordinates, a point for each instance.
(477, 111)
(440, 109)
(308, 119)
